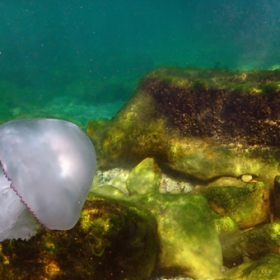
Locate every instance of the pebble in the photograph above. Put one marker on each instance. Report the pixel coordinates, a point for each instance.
(246, 178)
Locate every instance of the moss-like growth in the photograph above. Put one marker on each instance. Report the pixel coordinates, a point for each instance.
(224, 223)
(112, 240)
(247, 204)
(144, 178)
(268, 267)
(204, 122)
(184, 222)
(261, 240)
(188, 238)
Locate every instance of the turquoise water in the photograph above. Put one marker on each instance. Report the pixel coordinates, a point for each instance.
(81, 60)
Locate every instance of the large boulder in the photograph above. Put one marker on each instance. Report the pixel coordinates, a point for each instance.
(188, 240)
(112, 240)
(189, 243)
(205, 123)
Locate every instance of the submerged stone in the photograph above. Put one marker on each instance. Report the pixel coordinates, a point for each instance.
(224, 223)
(247, 204)
(267, 267)
(144, 178)
(189, 243)
(252, 243)
(112, 240)
(188, 240)
(202, 122)
(187, 235)
(226, 106)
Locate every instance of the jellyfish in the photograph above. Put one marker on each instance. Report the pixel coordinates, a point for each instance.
(47, 170)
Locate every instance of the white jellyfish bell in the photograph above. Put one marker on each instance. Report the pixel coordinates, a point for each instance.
(47, 170)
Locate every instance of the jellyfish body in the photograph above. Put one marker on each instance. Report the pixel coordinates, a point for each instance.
(48, 167)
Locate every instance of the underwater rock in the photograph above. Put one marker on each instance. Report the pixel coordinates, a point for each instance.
(188, 239)
(112, 240)
(251, 244)
(205, 123)
(246, 178)
(227, 106)
(113, 177)
(267, 267)
(189, 243)
(144, 178)
(109, 191)
(224, 223)
(248, 204)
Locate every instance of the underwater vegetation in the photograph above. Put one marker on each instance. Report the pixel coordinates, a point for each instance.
(230, 105)
(217, 130)
(112, 240)
(209, 125)
(223, 124)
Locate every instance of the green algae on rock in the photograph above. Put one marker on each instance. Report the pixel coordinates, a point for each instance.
(267, 267)
(184, 220)
(111, 241)
(188, 240)
(224, 223)
(189, 243)
(144, 178)
(252, 244)
(248, 204)
(205, 123)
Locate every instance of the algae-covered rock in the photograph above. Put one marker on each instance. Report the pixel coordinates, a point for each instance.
(204, 123)
(224, 223)
(261, 240)
(114, 177)
(189, 243)
(112, 240)
(188, 240)
(109, 191)
(252, 243)
(247, 204)
(268, 268)
(144, 178)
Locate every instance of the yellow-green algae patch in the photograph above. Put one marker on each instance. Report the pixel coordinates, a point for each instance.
(188, 238)
(144, 178)
(264, 80)
(224, 223)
